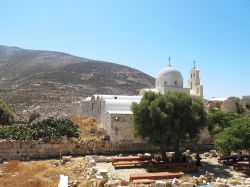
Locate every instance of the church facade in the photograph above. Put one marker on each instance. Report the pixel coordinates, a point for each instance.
(114, 113)
(170, 79)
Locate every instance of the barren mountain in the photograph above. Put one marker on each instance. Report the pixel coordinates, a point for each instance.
(48, 82)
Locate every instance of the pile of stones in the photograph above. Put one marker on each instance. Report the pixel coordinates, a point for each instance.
(211, 153)
(94, 177)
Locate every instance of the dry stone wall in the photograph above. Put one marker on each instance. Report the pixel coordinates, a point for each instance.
(10, 149)
(230, 105)
(33, 149)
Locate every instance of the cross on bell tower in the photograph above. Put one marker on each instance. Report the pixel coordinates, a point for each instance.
(194, 81)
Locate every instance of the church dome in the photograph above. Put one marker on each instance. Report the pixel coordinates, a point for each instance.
(169, 77)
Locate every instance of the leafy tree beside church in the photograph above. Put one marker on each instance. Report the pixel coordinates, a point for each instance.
(165, 120)
(235, 137)
(218, 120)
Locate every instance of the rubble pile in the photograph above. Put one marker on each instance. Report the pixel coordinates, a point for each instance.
(97, 177)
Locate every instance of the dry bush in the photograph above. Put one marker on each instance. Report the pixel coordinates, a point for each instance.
(84, 122)
(90, 129)
(12, 166)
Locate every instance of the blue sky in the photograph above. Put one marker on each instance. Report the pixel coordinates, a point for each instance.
(141, 34)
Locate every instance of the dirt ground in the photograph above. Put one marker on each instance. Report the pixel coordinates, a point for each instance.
(208, 164)
(42, 173)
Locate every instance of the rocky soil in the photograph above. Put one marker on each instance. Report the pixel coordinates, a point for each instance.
(97, 171)
(49, 82)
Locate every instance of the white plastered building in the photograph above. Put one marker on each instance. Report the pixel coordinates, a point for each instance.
(170, 79)
(114, 112)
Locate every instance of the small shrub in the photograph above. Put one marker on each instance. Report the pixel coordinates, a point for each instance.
(46, 129)
(6, 115)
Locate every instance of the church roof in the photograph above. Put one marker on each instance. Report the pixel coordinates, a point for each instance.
(121, 106)
(169, 71)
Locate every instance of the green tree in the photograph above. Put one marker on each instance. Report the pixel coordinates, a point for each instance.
(167, 119)
(235, 137)
(218, 120)
(247, 106)
(6, 115)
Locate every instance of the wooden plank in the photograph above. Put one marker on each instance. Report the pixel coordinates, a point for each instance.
(144, 181)
(241, 165)
(130, 158)
(130, 161)
(155, 176)
(182, 166)
(182, 169)
(126, 163)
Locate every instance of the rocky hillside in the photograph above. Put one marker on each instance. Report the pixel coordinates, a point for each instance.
(48, 82)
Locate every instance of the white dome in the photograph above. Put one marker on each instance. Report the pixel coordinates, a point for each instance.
(169, 71)
(169, 77)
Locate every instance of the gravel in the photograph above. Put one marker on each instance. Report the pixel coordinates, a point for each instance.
(120, 173)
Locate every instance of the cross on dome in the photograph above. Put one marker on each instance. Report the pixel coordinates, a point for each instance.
(169, 61)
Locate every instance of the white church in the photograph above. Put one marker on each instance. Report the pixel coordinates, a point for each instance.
(113, 112)
(170, 79)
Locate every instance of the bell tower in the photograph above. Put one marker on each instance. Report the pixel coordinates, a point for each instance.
(194, 82)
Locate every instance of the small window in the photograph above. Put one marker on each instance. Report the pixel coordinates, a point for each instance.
(175, 83)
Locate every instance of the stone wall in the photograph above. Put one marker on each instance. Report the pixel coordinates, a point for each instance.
(121, 129)
(18, 149)
(230, 105)
(10, 149)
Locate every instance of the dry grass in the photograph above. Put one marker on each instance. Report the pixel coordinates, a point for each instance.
(84, 122)
(43, 173)
(89, 128)
(24, 174)
(12, 166)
